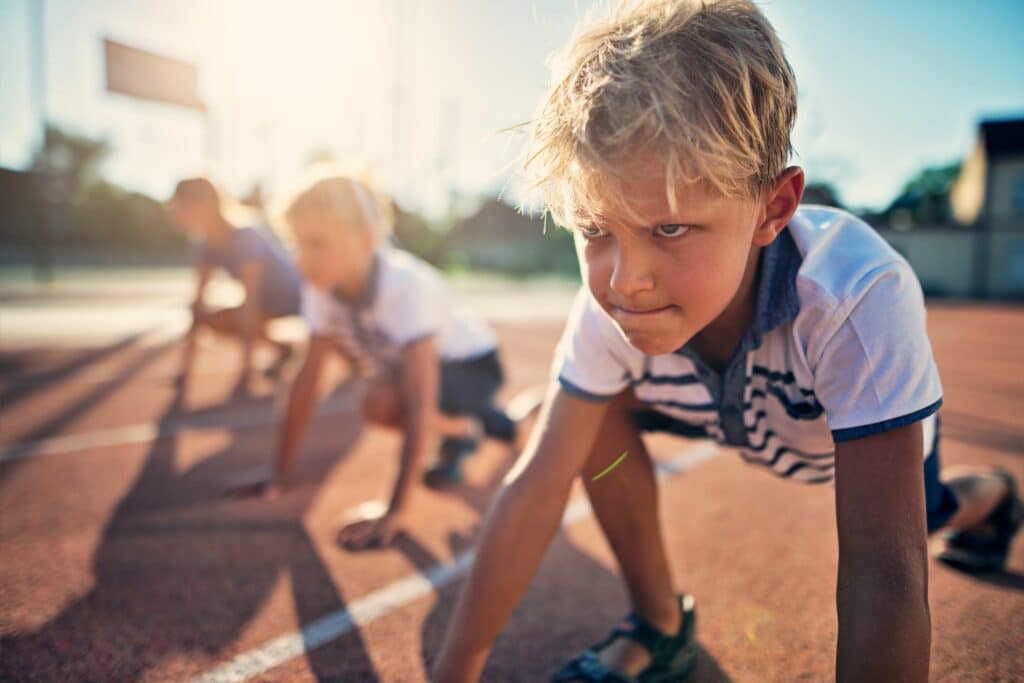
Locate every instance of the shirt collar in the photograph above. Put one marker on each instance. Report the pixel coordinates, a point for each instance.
(369, 292)
(777, 298)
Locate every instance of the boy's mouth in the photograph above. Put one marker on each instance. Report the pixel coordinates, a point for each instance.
(640, 318)
(641, 311)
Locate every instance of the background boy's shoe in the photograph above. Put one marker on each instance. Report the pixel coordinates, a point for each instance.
(446, 471)
(984, 548)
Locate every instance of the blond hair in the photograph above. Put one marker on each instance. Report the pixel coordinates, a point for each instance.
(342, 195)
(703, 87)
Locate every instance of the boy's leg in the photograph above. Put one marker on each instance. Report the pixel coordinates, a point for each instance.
(978, 492)
(625, 502)
(982, 519)
(229, 322)
(382, 405)
(467, 390)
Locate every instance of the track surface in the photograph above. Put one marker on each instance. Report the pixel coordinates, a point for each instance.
(120, 560)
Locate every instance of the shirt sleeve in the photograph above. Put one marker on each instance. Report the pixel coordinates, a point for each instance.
(876, 371)
(418, 309)
(592, 360)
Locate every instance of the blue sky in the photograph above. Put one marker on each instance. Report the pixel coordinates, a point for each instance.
(423, 88)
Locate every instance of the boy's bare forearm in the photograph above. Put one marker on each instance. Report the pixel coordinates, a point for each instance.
(884, 627)
(516, 534)
(301, 402)
(418, 386)
(882, 588)
(418, 440)
(517, 531)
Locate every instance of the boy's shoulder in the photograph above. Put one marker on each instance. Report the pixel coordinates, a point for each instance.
(404, 275)
(841, 256)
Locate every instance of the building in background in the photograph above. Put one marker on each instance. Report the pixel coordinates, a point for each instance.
(979, 249)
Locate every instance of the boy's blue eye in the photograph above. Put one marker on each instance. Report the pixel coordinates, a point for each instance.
(590, 231)
(672, 229)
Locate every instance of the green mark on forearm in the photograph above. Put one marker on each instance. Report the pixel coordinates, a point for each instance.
(611, 467)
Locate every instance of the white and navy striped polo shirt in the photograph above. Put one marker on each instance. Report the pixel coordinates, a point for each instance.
(404, 300)
(837, 350)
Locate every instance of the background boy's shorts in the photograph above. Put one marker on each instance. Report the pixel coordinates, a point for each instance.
(468, 388)
(940, 503)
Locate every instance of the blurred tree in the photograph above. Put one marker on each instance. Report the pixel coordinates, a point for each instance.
(824, 193)
(70, 205)
(925, 198)
(108, 217)
(74, 157)
(417, 235)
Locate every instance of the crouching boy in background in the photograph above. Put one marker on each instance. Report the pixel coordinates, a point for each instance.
(430, 371)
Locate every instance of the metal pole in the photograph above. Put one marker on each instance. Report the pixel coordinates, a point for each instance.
(43, 246)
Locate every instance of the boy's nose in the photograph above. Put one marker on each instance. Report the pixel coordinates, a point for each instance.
(632, 273)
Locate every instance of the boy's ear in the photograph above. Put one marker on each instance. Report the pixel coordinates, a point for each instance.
(778, 205)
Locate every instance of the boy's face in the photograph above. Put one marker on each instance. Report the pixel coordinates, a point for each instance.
(191, 216)
(330, 255)
(669, 276)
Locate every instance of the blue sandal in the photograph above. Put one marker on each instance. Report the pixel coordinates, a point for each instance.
(672, 657)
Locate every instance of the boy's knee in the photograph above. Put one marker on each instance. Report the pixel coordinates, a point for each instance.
(382, 403)
(618, 430)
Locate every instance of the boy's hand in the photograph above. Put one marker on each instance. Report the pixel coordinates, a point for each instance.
(371, 525)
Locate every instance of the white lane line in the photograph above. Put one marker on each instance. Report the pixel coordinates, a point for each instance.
(398, 594)
(153, 431)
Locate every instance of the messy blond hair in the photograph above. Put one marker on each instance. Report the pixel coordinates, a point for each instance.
(342, 195)
(702, 86)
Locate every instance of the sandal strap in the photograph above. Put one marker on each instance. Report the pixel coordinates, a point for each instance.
(659, 644)
(663, 648)
(638, 629)
(589, 668)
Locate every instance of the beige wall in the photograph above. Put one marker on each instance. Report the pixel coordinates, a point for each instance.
(967, 195)
(1006, 265)
(943, 259)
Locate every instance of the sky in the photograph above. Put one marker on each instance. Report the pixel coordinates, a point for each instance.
(424, 91)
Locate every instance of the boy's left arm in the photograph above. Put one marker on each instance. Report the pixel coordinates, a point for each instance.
(882, 588)
(418, 389)
(252, 280)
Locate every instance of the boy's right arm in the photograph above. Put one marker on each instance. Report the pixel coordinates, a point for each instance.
(203, 272)
(521, 523)
(301, 400)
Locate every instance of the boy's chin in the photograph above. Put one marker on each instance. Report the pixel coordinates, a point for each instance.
(656, 345)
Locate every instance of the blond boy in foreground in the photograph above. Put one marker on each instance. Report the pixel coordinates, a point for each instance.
(715, 307)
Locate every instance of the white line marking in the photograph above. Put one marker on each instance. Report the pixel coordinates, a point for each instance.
(152, 431)
(396, 595)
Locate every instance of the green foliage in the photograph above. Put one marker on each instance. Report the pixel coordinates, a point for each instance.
(925, 197)
(75, 157)
(64, 202)
(824, 193)
(417, 235)
(104, 215)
